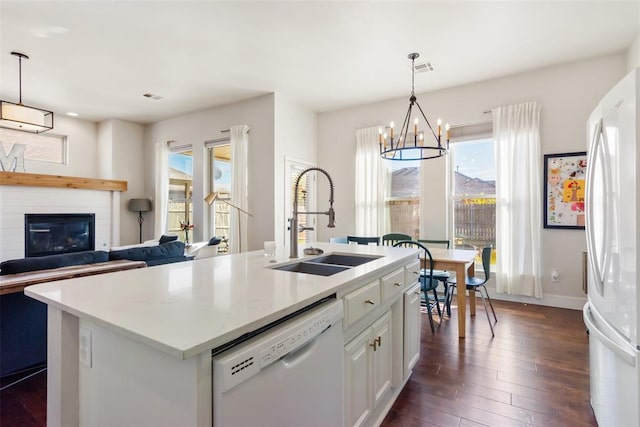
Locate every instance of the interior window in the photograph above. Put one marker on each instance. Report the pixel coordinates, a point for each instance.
(473, 194)
(41, 147)
(180, 207)
(404, 198)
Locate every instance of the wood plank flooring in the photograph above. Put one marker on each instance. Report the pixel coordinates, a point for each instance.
(534, 372)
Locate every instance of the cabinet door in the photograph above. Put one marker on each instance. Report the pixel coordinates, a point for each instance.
(411, 328)
(357, 378)
(381, 357)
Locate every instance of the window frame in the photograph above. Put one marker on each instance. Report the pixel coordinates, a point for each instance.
(27, 138)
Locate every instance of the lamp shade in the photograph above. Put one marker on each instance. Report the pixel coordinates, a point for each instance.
(139, 205)
(23, 117)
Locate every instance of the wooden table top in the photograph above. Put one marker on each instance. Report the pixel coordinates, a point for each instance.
(11, 283)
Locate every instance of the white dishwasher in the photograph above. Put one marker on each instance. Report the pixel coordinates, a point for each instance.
(288, 375)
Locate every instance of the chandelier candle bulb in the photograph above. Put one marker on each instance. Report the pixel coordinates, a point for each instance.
(391, 126)
(439, 127)
(446, 127)
(415, 126)
(380, 135)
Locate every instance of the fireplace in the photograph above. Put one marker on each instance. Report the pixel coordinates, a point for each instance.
(48, 234)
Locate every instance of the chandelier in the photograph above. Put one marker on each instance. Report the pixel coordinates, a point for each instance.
(413, 146)
(22, 117)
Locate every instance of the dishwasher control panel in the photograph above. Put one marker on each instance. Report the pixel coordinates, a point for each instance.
(243, 361)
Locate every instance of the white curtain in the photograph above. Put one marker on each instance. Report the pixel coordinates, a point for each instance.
(518, 199)
(239, 159)
(371, 185)
(162, 188)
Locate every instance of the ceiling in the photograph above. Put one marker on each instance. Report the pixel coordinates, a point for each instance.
(97, 58)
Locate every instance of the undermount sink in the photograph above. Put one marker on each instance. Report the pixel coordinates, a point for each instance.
(312, 268)
(348, 260)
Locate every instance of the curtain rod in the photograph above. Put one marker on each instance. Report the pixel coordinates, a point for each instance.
(229, 130)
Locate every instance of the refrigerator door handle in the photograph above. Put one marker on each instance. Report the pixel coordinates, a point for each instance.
(594, 252)
(627, 356)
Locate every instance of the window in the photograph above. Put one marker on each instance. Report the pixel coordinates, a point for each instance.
(180, 207)
(404, 198)
(473, 194)
(305, 199)
(41, 147)
(220, 181)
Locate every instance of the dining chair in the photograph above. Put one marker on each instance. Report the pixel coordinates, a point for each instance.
(477, 284)
(442, 276)
(364, 240)
(427, 282)
(393, 238)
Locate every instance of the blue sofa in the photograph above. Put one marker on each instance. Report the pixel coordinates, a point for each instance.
(23, 320)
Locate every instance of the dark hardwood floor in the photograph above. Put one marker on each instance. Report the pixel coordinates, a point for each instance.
(534, 372)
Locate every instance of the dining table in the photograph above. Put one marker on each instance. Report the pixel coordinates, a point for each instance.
(460, 261)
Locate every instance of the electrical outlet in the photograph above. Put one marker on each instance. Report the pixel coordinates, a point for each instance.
(85, 347)
(555, 276)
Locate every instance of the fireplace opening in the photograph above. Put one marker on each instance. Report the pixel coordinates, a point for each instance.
(49, 234)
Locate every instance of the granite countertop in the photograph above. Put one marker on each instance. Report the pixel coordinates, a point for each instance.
(189, 307)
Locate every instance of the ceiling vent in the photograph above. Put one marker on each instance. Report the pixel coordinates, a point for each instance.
(152, 96)
(423, 67)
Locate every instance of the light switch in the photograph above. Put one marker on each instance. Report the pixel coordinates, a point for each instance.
(85, 347)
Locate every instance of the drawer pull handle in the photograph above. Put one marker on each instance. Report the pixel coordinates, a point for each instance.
(416, 273)
(370, 302)
(379, 341)
(374, 345)
(417, 292)
(397, 284)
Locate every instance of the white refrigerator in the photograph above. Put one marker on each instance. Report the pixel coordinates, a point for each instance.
(613, 227)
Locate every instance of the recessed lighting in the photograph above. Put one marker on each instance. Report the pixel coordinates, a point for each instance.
(72, 114)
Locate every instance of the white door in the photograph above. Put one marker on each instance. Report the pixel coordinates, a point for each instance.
(357, 380)
(411, 328)
(381, 357)
(611, 208)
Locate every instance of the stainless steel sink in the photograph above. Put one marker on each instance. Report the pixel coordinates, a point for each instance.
(312, 268)
(344, 259)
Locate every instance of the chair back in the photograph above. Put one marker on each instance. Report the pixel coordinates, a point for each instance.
(364, 240)
(486, 262)
(426, 276)
(392, 238)
(445, 243)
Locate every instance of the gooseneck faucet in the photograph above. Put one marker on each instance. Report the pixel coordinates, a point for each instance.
(293, 221)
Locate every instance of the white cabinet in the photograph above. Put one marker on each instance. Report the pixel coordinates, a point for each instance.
(367, 370)
(411, 328)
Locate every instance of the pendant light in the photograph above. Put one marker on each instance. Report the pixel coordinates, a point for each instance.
(22, 117)
(415, 145)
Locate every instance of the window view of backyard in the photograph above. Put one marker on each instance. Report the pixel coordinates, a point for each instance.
(404, 200)
(474, 194)
(220, 179)
(180, 214)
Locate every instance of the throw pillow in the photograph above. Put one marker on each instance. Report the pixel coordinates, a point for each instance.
(214, 241)
(166, 239)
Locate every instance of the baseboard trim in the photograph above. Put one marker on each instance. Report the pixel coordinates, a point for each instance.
(550, 300)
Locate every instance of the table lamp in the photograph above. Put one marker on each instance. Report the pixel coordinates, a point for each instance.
(140, 205)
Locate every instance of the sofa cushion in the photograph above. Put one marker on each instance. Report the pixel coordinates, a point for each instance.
(14, 266)
(149, 253)
(166, 239)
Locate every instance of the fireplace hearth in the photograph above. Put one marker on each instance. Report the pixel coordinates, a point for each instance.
(49, 234)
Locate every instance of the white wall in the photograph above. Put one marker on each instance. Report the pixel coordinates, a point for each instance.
(295, 138)
(198, 127)
(633, 54)
(567, 93)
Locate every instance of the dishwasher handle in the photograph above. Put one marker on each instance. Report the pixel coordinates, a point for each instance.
(298, 355)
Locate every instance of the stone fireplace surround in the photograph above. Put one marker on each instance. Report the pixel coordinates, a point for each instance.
(22, 193)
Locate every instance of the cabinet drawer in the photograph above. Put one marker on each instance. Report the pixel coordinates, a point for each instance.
(412, 272)
(392, 284)
(361, 301)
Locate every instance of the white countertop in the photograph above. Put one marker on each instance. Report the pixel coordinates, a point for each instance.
(188, 307)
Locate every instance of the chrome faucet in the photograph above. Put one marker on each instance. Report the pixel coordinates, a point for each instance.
(294, 228)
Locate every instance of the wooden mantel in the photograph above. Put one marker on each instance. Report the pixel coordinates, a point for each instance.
(39, 180)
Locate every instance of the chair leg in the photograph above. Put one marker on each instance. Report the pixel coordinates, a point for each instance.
(433, 328)
(450, 288)
(486, 310)
(437, 303)
(489, 299)
(445, 306)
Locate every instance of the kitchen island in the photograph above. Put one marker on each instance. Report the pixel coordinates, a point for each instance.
(135, 347)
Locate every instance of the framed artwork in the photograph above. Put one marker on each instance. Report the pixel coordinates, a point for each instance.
(564, 190)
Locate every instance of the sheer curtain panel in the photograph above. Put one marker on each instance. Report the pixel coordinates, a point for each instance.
(160, 207)
(239, 158)
(516, 131)
(371, 185)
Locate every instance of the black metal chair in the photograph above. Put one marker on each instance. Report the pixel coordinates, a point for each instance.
(442, 276)
(364, 240)
(393, 238)
(427, 282)
(476, 284)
